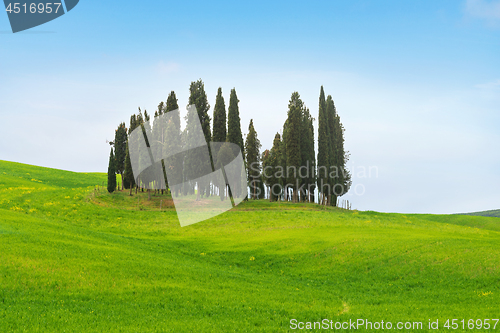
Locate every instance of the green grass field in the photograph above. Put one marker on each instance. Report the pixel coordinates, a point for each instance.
(73, 260)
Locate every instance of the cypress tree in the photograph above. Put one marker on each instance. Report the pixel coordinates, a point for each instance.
(275, 182)
(219, 130)
(171, 106)
(292, 143)
(333, 161)
(144, 158)
(343, 182)
(283, 161)
(323, 148)
(193, 166)
(234, 134)
(120, 145)
(266, 165)
(161, 108)
(172, 141)
(128, 174)
(111, 173)
(158, 136)
(308, 155)
(252, 148)
(261, 191)
(224, 156)
(198, 97)
(147, 176)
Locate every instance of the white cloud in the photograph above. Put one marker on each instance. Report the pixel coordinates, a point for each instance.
(489, 10)
(169, 67)
(494, 85)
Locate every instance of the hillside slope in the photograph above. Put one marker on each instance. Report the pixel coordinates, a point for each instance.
(489, 213)
(75, 259)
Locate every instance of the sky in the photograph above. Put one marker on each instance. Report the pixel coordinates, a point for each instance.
(416, 84)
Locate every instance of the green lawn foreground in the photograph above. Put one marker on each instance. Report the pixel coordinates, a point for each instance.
(73, 260)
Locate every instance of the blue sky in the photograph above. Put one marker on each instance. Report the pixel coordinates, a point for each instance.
(417, 85)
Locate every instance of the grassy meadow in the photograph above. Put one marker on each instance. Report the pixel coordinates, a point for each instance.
(73, 259)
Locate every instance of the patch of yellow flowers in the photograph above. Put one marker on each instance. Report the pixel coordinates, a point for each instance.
(483, 294)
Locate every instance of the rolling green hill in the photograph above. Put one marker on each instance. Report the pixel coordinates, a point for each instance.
(74, 259)
(489, 213)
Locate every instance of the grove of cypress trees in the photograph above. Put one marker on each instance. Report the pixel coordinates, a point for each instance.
(252, 148)
(111, 173)
(219, 129)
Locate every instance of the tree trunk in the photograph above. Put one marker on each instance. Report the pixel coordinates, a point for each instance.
(253, 184)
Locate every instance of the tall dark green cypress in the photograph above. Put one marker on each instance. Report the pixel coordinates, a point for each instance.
(308, 156)
(161, 108)
(343, 182)
(275, 182)
(219, 125)
(144, 159)
(219, 130)
(120, 145)
(173, 163)
(252, 148)
(323, 148)
(171, 106)
(111, 173)
(172, 141)
(128, 174)
(234, 134)
(333, 161)
(292, 143)
(158, 136)
(283, 160)
(198, 97)
(266, 165)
